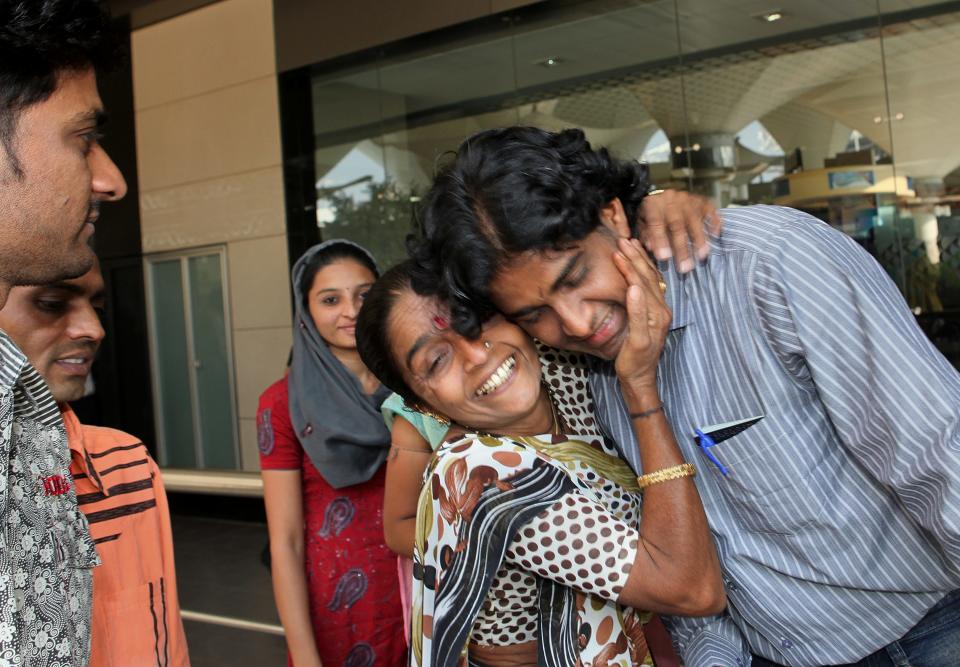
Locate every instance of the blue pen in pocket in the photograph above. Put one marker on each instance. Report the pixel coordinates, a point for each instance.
(711, 436)
(705, 442)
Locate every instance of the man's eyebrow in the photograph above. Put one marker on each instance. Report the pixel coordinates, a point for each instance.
(561, 278)
(70, 288)
(565, 272)
(417, 345)
(96, 116)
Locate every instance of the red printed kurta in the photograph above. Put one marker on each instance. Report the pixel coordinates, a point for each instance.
(351, 574)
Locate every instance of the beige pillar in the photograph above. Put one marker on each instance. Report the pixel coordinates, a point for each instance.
(208, 146)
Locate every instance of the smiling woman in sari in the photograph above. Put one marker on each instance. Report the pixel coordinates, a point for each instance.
(531, 543)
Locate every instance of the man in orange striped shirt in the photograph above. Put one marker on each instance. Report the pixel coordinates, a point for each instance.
(136, 614)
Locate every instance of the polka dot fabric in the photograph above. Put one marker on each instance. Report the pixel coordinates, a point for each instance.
(578, 543)
(514, 583)
(585, 543)
(565, 373)
(509, 614)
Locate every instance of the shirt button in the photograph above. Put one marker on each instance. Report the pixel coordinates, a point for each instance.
(307, 430)
(786, 643)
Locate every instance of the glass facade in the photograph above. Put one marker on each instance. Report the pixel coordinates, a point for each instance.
(843, 109)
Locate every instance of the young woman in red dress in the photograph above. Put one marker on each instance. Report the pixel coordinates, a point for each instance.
(322, 448)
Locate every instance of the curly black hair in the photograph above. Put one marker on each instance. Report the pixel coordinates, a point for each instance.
(39, 39)
(508, 191)
(373, 340)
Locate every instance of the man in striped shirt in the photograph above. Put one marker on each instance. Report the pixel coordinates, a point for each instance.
(136, 615)
(832, 480)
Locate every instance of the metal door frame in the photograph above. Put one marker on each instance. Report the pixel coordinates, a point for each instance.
(183, 256)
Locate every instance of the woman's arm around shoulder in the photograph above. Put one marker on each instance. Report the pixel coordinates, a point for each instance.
(408, 458)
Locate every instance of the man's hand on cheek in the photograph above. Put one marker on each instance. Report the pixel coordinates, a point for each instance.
(671, 221)
(648, 317)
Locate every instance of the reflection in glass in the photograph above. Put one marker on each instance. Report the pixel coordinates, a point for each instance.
(211, 364)
(811, 110)
(192, 362)
(172, 374)
(919, 123)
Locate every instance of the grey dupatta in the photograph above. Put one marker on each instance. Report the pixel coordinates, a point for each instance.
(338, 425)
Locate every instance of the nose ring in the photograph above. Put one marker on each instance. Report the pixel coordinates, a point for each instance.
(486, 344)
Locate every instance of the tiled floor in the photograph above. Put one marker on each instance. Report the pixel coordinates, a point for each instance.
(219, 571)
(212, 646)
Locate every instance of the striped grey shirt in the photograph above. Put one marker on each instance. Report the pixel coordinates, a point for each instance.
(838, 524)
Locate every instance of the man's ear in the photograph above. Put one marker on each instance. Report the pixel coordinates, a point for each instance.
(614, 218)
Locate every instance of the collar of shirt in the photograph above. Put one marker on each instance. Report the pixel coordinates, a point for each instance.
(11, 362)
(80, 457)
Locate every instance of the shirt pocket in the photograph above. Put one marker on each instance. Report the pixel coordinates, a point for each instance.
(776, 478)
(141, 611)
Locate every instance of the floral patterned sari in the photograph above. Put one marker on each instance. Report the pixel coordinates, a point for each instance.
(480, 491)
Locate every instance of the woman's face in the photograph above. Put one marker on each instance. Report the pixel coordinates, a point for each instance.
(491, 383)
(335, 298)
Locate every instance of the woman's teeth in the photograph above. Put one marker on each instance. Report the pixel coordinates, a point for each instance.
(498, 377)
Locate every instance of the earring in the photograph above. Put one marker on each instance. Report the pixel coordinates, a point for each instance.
(487, 344)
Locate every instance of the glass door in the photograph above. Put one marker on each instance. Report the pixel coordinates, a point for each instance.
(192, 360)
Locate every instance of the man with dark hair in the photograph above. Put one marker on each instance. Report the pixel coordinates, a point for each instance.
(53, 172)
(53, 177)
(119, 486)
(824, 425)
